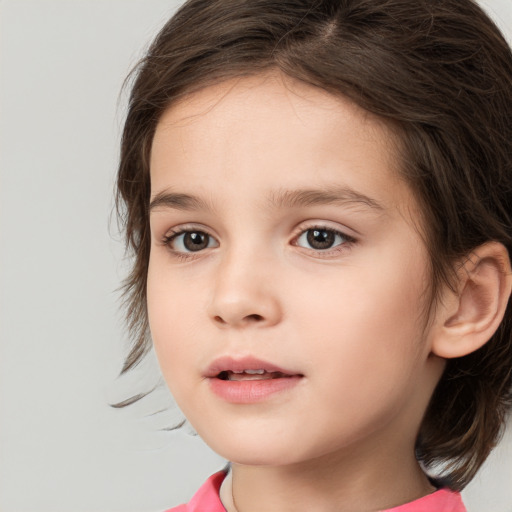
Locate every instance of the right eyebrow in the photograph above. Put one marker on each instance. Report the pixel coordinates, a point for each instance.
(177, 201)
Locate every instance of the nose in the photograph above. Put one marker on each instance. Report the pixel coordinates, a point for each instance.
(244, 294)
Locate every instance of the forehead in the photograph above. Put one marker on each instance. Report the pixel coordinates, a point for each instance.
(262, 98)
(270, 131)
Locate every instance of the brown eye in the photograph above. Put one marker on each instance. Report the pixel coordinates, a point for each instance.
(195, 241)
(191, 241)
(320, 239)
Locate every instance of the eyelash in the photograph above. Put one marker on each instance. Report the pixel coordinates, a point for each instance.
(346, 242)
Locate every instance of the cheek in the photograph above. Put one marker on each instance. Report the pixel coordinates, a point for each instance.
(367, 339)
(171, 320)
(369, 316)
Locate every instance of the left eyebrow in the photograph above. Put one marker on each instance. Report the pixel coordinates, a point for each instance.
(324, 196)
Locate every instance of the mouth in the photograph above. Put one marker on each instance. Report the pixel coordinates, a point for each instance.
(247, 368)
(249, 380)
(249, 375)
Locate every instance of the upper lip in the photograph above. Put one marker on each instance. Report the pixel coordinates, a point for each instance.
(227, 363)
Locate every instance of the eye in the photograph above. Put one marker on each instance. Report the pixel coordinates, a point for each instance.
(190, 241)
(321, 239)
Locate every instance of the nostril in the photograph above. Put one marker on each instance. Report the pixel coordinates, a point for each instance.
(254, 318)
(248, 318)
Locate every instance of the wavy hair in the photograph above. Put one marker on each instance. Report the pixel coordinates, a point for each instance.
(440, 73)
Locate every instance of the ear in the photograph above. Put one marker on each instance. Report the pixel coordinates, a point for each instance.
(467, 319)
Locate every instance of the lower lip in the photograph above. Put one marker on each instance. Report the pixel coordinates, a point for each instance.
(251, 391)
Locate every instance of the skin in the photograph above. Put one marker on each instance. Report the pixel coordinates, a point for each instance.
(349, 319)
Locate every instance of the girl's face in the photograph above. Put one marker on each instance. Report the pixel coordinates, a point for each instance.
(284, 243)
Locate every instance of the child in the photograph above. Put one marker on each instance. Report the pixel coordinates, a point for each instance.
(318, 196)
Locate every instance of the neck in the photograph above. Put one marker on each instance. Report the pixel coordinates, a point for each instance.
(325, 485)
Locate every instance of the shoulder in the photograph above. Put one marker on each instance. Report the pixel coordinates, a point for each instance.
(442, 500)
(206, 499)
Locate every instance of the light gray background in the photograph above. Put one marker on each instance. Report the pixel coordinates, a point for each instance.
(62, 448)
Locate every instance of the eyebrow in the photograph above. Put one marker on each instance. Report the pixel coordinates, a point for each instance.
(281, 199)
(324, 196)
(178, 201)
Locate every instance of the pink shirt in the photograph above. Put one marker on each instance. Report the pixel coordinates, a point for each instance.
(207, 499)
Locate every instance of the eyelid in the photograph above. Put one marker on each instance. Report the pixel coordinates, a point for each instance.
(185, 228)
(324, 225)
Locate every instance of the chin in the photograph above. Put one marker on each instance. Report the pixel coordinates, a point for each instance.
(251, 450)
(259, 459)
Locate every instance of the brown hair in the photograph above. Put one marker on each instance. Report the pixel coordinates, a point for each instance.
(440, 72)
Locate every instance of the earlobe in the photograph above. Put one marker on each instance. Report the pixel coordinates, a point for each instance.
(469, 317)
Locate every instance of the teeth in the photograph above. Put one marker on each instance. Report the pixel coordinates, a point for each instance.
(244, 377)
(249, 372)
